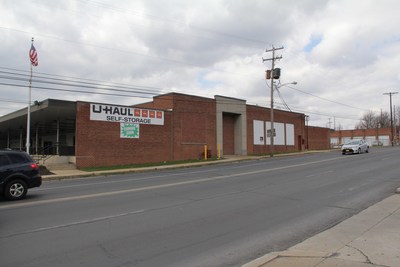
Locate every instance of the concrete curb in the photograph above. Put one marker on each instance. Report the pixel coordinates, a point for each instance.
(66, 174)
(270, 257)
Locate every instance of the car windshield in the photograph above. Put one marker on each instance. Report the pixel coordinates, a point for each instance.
(354, 142)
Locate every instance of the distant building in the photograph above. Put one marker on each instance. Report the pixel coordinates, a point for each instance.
(172, 127)
(374, 137)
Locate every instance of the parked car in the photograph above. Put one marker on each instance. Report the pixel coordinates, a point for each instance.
(18, 172)
(355, 146)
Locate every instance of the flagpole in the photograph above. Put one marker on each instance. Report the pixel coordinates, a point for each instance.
(28, 124)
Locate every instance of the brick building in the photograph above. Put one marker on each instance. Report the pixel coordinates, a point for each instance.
(378, 136)
(317, 138)
(171, 127)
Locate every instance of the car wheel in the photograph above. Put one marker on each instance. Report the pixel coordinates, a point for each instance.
(366, 151)
(16, 190)
(359, 150)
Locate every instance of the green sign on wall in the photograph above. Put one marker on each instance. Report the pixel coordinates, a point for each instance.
(129, 130)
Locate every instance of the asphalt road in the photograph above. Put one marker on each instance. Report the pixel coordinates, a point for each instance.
(221, 215)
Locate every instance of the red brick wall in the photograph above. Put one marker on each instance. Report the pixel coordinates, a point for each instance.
(194, 124)
(318, 138)
(189, 124)
(361, 133)
(187, 128)
(159, 102)
(98, 143)
(263, 114)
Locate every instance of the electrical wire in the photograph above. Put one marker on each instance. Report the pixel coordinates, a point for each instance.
(115, 88)
(68, 90)
(325, 99)
(155, 90)
(283, 100)
(136, 90)
(108, 88)
(139, 94)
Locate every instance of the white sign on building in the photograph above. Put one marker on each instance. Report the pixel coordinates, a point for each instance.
(123, 114)
(290, 134)
(258, 132)
(283, 133)
(279, 133)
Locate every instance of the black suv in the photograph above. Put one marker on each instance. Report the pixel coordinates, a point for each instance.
(18, 172)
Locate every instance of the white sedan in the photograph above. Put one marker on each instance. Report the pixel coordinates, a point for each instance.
(355, 146)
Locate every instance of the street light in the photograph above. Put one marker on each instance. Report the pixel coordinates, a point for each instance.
(272, 130)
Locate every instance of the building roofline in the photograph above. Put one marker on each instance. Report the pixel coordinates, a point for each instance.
(230, 98)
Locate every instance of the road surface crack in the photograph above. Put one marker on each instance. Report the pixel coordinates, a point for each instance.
(367, 260)
(105, 250)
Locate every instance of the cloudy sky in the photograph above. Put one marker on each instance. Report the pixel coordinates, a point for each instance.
(343, 54)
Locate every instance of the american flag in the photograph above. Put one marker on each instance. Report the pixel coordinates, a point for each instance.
(33, 56)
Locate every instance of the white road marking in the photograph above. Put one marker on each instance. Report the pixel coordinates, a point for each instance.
(98, 219)
(145, 188)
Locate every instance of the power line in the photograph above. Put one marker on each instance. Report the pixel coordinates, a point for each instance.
(12, 101)
(112, 88)
(154, 57)
(95, 86)
(283, 100)
(123, 95)
(68, 90)
(325, 99)
(128, 93)
(324, 114)
(82, 80)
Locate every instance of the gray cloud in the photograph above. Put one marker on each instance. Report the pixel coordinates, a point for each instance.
(338, 51)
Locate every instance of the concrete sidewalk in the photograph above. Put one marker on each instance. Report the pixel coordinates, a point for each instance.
(370, 238)
(75, 173)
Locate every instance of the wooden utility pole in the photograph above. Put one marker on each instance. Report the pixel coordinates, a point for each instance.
(272, 130)
(391, 117)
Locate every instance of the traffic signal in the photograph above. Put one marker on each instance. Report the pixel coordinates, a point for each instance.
(277, 73)
(268, 74)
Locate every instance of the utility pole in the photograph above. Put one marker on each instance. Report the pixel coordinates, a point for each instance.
(398, 116)
(334, 123)
(394, 123)
(272, 130)
(307, 118)
(391, 117)
(329, 123)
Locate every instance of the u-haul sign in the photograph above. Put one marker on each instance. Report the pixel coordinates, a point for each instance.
(121, 114)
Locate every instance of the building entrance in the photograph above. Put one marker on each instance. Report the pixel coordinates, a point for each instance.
(229, 133)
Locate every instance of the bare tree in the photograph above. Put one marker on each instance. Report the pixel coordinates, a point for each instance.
(370, 120)
(367, 121)
(384, 120)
